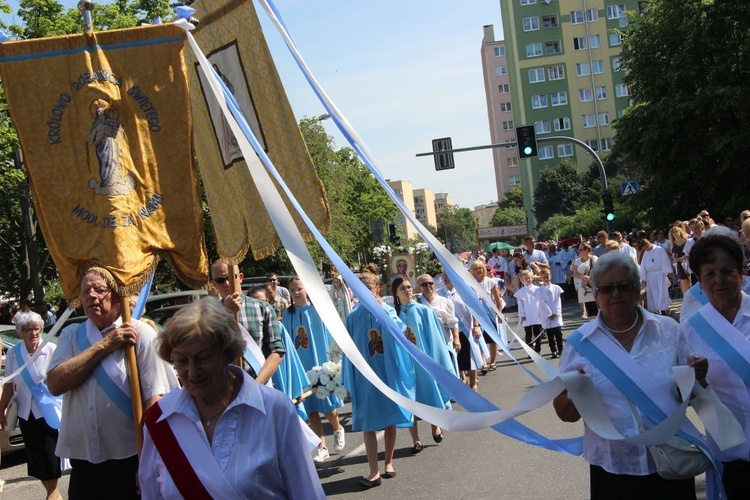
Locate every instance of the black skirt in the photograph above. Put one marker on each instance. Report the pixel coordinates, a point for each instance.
(40, 440)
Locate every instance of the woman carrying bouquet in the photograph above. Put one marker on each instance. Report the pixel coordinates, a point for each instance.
(311, 340)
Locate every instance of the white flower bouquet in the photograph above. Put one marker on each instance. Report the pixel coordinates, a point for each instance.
(326, 380)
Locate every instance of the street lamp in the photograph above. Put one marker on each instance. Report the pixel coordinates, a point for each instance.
(324, 116)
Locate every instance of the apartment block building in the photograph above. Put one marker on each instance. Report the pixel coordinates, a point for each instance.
(564, 76)
(422, 202)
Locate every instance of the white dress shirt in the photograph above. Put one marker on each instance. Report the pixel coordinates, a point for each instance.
(728, 385)
(446, 312)
(258, 443)
(24, 400)
(659, 345)
(92, 427)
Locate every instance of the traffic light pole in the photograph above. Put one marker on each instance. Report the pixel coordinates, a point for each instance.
(554, 138)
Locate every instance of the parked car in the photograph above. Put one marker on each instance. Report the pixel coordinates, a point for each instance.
(160, 308)
(10, 440)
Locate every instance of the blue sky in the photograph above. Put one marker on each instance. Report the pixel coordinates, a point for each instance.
(403, 73)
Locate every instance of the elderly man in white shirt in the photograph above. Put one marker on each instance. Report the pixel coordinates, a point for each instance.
(88, 367)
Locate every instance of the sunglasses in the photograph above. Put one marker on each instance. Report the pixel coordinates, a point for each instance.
(220, 280)
(609, 289)
(427, 283)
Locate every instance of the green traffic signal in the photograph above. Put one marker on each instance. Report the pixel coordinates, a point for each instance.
(610, 217)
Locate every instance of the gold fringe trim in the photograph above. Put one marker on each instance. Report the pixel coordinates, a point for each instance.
(122, 291)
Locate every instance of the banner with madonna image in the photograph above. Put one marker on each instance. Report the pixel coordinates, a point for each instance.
(105, 128)
(230, 35)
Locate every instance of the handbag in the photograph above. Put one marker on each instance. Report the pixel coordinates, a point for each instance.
(677, 458)
(11, 414)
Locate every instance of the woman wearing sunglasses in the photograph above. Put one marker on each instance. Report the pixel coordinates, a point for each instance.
(645, 346)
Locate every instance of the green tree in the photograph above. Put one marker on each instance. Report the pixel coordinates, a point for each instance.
(512, 216)
(512, 198)
(687, 135)
(456, 226)
(355, 198)
(559, 192)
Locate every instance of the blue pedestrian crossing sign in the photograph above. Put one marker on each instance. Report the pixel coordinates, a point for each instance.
(628, 188)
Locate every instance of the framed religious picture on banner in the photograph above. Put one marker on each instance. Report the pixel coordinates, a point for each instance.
(402, 265)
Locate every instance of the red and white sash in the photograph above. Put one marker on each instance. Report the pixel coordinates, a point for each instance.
(188, 459)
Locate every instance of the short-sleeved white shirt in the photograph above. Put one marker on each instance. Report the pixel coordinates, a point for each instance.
(659, 346)
(92, 427)
(23, 395)
(446, 311)
(728, 385)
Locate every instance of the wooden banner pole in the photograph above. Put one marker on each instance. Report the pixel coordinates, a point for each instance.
(232, 271)
(133, 381)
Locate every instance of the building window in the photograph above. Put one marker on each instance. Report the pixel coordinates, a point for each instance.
(562, 123)
(539, 101)
(583, 69)
(623, 21)
(559, 98)
(511, 161)
(606, 144)
(499, 51)
(598, 67)
(576, 17)
(592, 15)
(542, 127)
(508, 125)
(589, 121)
(503, 88)
(556, 72)
(604, 118)
(552, 47)
(615, 39)
(585, 95)
(617, 64)
(501, 70)
(621, 90)
(593, 144)
(601, 93)
(536, 75)
(505, 107)
(534, 49)
(613, 11)
(549, 22)
(545, 153)
(579, 43)
(595, 41)
(510, 143)
(531, 23)
(514, 180)
(564, 150)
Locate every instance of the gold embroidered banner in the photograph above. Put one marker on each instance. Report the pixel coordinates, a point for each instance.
(229, 34)
(105, 127)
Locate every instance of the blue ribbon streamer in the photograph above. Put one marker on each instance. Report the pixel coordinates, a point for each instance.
(465, 396)
(724, 349)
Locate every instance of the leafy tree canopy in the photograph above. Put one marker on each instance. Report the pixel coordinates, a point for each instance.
(457, 227)
(687, 136)
(512, 198)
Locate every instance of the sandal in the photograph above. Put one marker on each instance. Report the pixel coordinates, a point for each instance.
(438, 437)
(492, 367)
(484, 370)
(418, 446)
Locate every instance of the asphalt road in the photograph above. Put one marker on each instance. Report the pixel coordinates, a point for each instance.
(478, 465)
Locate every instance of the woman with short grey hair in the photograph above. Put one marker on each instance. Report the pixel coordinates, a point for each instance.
(38, 411)
(616, 259)
(197, 437)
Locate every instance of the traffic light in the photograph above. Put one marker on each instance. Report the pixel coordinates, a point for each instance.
(609, 208)
(392, 236)
(526, 141)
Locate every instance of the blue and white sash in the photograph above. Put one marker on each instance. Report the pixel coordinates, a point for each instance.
(697, 293)
(732, 346)
(49, 405)
(643, 391)
(112, 380)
